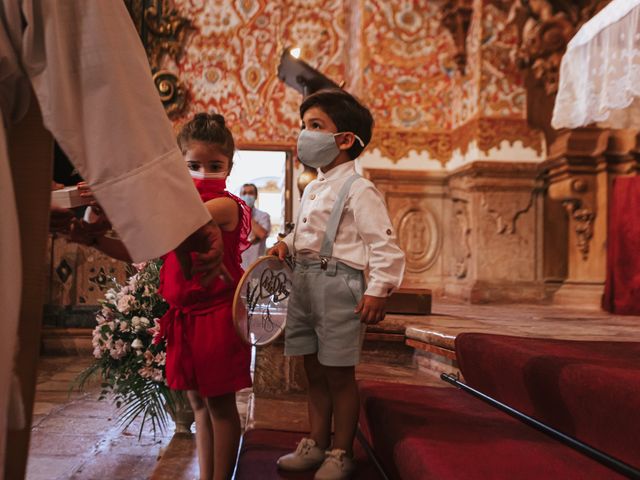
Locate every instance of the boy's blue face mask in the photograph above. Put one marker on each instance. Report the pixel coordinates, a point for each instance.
(318, 149)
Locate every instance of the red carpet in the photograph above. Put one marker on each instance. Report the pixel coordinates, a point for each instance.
(622, 288)
(444, 433)
(590, 390)
(261, 448)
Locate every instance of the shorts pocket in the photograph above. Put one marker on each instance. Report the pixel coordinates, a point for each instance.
(355, 285)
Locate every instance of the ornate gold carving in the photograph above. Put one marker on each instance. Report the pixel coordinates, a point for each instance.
(418, 237)
(305, 178)
(461, 234)
(487, 132)
(456, 17)
(171, 90)
(584, 219)
(163, 33)
(396, 144)
(491, 132)
(544, 28)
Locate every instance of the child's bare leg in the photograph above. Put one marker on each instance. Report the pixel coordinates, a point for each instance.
(346, 405)
(204, 434)
(226, 431)
(319, 401)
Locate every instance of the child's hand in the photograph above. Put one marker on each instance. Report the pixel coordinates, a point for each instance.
(279, 250)
(371, 309)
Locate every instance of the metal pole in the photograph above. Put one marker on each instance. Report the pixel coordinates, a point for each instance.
(370, 453)
(597, 455)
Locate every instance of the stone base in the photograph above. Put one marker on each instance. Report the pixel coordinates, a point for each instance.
(498, 292)
(580, 295)
(66, 341)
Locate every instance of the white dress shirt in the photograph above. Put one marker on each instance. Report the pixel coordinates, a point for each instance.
(87, 66)
(365, 238)
(258, 249)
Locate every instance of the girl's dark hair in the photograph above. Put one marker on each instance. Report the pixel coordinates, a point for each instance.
(208, 128)
(346, 112)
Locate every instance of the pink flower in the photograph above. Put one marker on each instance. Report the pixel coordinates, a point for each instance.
(124, 303)
(119, 349)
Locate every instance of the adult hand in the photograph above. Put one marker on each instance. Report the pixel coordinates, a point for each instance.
(208, 245)
(371, 309)
(279, 250)
(86, 193)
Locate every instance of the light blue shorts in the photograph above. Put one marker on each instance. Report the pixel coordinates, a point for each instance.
(321, 317)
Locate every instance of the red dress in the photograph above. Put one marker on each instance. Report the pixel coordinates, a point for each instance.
(204, 352)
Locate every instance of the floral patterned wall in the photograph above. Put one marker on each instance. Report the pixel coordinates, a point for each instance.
(502, 92)
(230, 61)
(396, 55)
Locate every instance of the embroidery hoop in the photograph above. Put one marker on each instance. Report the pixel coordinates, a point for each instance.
(261, 300)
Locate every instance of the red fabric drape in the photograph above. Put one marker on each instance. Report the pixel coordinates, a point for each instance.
(622, 288)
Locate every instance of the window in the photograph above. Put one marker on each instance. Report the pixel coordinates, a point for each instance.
(268, 170)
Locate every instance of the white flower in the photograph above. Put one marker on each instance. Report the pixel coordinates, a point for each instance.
(124, 303)
(144, 322)
(137, 344)
(97, 352)
(111, 295)
(100, 319)
(124, 326)
(135, 322)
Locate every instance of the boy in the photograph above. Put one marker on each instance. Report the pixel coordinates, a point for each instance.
(343, 228)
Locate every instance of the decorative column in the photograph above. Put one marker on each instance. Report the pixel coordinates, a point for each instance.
(580, 169)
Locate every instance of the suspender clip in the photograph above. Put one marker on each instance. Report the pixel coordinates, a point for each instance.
(324, 262)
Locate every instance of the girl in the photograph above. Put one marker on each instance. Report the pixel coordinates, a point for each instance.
(205, 356)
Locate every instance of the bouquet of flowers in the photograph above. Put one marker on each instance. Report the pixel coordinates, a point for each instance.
(129, 355)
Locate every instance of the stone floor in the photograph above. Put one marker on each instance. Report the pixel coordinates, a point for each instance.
(76, 436)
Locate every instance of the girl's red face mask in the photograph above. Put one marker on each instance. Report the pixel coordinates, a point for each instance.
(209, 185)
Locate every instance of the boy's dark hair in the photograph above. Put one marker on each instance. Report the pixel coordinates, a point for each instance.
(346, 112)
(252, 185)
(208, 128)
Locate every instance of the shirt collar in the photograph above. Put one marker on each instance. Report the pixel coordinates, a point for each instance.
(341, 171)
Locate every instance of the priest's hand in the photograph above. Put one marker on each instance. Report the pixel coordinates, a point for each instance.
(372, 309)
(207, 243)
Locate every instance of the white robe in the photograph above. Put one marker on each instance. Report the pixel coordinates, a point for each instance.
(86, 64)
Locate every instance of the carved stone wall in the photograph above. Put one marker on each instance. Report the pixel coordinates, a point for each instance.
(417, 208)
(494, 233)
(474, 234)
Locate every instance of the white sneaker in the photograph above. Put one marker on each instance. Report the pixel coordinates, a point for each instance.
(307, 456)
(336, 466)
